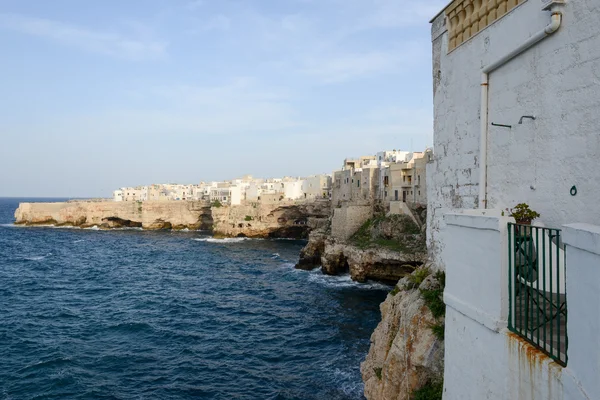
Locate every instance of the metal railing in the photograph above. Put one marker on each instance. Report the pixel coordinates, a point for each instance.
(537, 289)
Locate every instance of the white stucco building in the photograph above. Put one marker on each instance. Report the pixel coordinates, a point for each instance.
(516, 120)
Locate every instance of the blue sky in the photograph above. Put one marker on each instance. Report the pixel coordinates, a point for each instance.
(102, 94)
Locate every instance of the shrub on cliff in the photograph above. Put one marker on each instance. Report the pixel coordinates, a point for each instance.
(216, 204)
(394, 232)
(430, 391)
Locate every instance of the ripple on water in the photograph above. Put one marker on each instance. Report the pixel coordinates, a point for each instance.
(141, 314)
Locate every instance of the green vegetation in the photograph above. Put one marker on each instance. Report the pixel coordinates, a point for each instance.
(139, 206)
(216, 204)
(433, 300)
(416, 278)
(395, 232)
(438, 330)
(522, 213)
(378, 372)
(429, 391)
(248, 218)
(395, 290)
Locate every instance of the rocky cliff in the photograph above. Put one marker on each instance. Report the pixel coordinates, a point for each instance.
(406, 356)
(110, 214)
(383, 249)
(281, 219)
(284, 219)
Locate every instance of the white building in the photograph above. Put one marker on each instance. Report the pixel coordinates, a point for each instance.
(516, 120)
(118, 195)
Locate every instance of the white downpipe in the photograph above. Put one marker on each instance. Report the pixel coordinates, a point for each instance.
(547, 31)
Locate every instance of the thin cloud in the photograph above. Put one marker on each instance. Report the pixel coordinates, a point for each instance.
(105, 43)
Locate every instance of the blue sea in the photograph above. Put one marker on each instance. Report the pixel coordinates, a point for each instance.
(131, 314)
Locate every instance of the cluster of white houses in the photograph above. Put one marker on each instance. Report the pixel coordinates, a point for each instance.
(388, 176)
(232, 192)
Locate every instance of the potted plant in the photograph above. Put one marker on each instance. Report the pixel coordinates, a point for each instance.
(522, 214)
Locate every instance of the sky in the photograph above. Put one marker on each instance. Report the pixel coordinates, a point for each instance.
(97, 95)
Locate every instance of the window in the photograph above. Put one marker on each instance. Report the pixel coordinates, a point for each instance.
(358, 182)
(419, 192)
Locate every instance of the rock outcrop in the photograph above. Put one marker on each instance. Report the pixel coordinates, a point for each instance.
(310, 255)
(383, 249)
(405, 354)
(378, 264)
(110, 214)
(284, 219)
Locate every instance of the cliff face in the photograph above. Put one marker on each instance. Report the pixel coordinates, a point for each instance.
(383, 249)
(405, 354)
(109, 214)
(284, 219)
(281, 219)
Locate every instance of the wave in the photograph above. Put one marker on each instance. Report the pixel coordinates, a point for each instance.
(37, 258)
(223, 240)
(343, 281)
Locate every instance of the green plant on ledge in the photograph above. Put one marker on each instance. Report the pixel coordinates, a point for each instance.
(248, 218)
(429, 391)
(416, 278)
(216, 204)
(523, 214)
(378, 372)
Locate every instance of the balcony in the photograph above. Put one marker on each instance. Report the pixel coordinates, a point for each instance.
(537, 288)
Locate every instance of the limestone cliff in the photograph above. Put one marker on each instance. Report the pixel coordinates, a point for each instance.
(281, 219)
(110, 214)
(384, 249)
(407, 347)
(284, 219)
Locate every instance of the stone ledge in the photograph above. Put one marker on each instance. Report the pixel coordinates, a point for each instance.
(484, 222)
(582, 236)
(485, 319)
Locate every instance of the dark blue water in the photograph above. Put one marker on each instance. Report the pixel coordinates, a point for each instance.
(174, 315)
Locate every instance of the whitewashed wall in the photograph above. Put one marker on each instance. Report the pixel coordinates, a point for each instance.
(483, 360)
(557, 81)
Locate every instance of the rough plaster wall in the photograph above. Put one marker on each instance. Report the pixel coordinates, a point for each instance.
(558, 81)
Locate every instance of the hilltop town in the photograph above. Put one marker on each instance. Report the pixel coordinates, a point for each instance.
(389, 176)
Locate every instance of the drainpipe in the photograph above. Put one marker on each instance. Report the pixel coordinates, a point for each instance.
(552, 27)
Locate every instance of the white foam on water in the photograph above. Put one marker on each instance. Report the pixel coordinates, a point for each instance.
(93, 228)
(77, 241)
(223, 240)
(37, 258)
(348, 384)
(343, 281)
(275, 255)
(11, 226)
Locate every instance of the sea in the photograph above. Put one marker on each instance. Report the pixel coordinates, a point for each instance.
(133, 314)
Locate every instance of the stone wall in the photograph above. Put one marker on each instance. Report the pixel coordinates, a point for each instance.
(493, 362)
(347, 219)
(537, 161)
